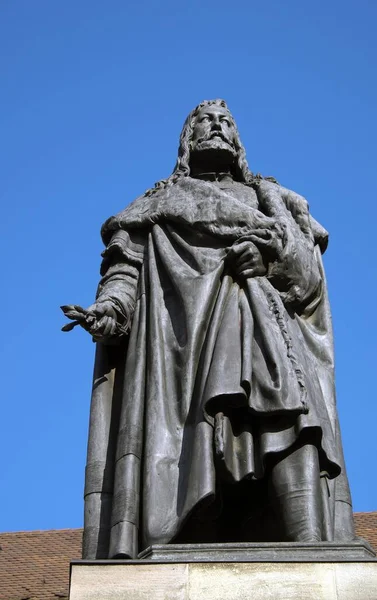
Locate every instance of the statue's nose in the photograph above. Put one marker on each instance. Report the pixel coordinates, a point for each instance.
(216, 125)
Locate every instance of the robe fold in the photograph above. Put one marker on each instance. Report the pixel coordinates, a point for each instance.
(218, 376)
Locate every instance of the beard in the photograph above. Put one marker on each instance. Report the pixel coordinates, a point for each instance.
(213, 153)
(215, 142)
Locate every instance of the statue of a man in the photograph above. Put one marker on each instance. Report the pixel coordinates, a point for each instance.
(213, 414)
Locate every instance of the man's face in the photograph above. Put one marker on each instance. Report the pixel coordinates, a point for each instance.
(213, 130)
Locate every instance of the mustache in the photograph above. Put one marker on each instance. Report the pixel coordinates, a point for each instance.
(215, 134)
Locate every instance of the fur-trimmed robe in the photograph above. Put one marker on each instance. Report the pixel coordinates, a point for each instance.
(217, 377)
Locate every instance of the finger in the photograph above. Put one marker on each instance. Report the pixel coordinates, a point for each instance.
(248, 257)
(113, 327)
(254, 272)
(108, 327)
(102, 335)
(248, 274)
(262, 237)
(259, 234)
(101, 324)
(105, 326)
(238, 249)
(92, 328)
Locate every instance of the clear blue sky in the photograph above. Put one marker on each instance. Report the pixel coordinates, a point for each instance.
(93, 98)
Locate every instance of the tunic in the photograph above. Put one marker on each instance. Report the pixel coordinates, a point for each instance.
(218, 376)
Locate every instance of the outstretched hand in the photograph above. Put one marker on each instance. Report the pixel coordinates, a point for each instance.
(100, 320)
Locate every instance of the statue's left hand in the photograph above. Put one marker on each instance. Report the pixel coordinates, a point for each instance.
(246, 260)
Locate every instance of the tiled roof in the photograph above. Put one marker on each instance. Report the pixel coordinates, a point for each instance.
(366, 527)
(34, 565)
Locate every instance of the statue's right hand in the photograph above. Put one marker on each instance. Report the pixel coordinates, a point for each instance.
(100, 319)
(105, 321)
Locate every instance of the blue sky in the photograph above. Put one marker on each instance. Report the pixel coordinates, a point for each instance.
(93, 98)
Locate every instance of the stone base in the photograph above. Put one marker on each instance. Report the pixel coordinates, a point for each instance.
(354, 551)
(147, 580)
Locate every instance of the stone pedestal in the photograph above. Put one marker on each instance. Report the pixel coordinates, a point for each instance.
(239, 574)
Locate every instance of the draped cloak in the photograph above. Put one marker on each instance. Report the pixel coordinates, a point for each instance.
(217, 377)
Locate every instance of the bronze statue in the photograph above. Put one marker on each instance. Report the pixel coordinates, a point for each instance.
(213, 414)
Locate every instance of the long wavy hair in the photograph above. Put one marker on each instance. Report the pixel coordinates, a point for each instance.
(182, 168)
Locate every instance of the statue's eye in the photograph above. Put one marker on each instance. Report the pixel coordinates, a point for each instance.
(226, 121)
(203, 119)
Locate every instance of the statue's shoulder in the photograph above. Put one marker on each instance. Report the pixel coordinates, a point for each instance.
(131, 215)
(147, 209)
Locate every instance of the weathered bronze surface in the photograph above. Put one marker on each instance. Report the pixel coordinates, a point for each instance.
(213, 415)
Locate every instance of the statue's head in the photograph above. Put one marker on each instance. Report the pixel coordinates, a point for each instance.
(210, 127)
(213, 130)
(209, 131)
